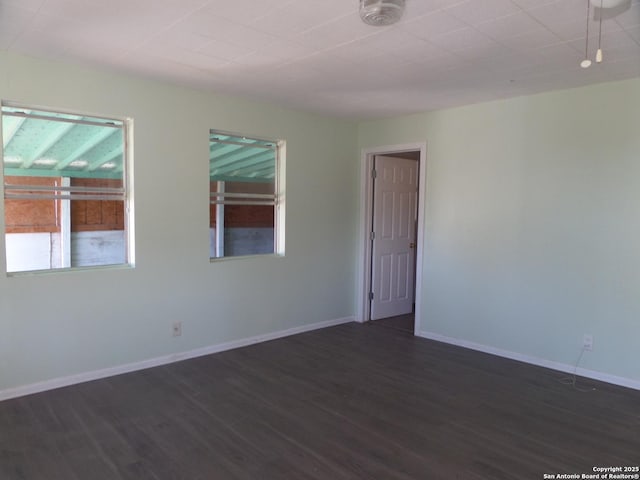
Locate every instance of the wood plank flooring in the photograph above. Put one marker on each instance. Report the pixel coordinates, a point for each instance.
(347, 402)
(400, 322)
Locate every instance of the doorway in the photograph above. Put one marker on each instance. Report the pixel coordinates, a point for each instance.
(393, 234)
(392, 225)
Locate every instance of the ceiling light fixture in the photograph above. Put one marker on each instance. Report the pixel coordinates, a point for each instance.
(586, 63)
(602, 5)
(380, 13)
(599, 52)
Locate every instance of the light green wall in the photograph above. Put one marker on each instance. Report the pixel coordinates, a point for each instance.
(532, 228)
(533, 223)
(55, 325)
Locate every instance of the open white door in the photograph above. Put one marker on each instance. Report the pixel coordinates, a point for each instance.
(393, 250)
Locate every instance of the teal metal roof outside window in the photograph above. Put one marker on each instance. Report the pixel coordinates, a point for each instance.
(241, 159)
(40, 143)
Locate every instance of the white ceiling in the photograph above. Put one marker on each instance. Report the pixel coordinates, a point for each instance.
(316, 55)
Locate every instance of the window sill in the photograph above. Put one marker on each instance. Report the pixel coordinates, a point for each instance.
(53, 271)
(246, 257)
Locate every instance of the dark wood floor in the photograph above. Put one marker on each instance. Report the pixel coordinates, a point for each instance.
(400, 322)
(348, 402)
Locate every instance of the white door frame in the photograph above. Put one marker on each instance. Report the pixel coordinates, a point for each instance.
(366, 217)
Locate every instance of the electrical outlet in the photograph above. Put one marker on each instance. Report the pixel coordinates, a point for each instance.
(177, 329)
(587, 342)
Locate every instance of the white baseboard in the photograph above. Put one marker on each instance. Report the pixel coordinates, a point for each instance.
(166, 359)
(562, 367)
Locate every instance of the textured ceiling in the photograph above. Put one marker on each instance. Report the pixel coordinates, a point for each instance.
(316, 55)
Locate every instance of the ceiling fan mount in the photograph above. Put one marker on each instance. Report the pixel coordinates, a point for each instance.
(380, 13)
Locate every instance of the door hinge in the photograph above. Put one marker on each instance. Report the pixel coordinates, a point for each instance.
(372, 236)
(374, 173)
(370, 295)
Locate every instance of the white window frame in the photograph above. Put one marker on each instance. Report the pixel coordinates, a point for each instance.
(278, 200)
(67, 193)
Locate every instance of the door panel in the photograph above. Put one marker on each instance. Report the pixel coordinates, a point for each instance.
(393, 252)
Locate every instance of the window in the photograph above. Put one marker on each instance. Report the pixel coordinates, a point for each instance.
(66, 193)
(246, 211)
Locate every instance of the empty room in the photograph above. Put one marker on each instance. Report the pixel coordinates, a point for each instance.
(319, 239)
